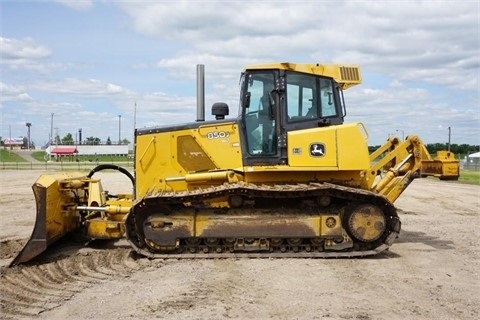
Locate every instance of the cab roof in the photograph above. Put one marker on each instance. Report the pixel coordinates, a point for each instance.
(345, 75)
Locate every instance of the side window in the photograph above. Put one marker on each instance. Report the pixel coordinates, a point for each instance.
(292, 100)
(327, 99)
(301, 98)
(255, 88)
(312, 101)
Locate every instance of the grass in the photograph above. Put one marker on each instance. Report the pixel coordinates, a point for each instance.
(469, 176)
(103, 158)
(39, 155)
(8, 156)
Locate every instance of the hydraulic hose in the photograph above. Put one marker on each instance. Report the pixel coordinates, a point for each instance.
(112, 167)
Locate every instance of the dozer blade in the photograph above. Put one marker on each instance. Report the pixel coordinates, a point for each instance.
(444, 166)
(56, 215)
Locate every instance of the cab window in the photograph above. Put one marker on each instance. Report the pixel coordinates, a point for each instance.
(309, 97)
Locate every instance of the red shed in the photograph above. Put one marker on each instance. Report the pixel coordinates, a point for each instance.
(60, 151)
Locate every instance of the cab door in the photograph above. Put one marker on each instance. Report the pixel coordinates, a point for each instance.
(260, 118)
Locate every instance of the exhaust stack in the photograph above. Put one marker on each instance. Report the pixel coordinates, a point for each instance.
(200, 92)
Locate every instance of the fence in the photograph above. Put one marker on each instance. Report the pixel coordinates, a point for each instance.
(59, 166)
(474, 166)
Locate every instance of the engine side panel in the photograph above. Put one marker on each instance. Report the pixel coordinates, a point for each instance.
(164, 157)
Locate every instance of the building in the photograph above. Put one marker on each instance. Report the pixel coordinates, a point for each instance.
(472, 161)
(13, 143)
(87, 150)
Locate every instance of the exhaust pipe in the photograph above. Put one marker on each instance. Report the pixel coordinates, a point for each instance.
(200, 92)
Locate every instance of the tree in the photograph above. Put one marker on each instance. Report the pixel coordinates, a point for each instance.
(93, 140)
(68, 139)
(109, 142)
(125, 142)
(455, 148)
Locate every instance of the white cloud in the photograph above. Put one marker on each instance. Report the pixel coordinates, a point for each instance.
(417, 40)
(80, 87)
(12, 49)
(25, 54)
(13, 93)
(397, 108)
(80, 5)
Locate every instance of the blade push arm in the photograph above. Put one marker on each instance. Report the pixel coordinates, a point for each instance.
(402, 162)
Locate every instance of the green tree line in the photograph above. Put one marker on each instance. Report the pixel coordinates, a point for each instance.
(458, 149)
(68, 140)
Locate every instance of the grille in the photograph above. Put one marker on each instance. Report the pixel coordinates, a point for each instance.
(350, 73)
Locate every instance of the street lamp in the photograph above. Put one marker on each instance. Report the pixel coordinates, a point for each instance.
(119, 127)
(403, 134)
(28, 124)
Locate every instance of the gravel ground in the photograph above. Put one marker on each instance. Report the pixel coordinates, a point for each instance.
(431, 272)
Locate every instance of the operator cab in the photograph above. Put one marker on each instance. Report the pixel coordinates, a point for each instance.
(275, 101)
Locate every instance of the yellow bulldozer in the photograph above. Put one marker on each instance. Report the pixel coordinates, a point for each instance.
(286, 178)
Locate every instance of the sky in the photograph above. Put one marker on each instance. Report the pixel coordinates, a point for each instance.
(107, 67)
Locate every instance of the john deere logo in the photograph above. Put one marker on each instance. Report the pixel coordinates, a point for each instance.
(317, 149)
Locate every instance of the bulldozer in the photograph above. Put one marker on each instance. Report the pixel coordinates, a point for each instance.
(287, 177)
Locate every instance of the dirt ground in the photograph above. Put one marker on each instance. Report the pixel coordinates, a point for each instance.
(431, 271)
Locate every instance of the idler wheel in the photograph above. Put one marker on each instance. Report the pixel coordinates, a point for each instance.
(229, 241)
(294, 241)
(366, 222)
(192, 242)
(276, 241)
(211, 242)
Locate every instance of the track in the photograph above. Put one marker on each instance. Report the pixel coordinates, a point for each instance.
(31, 289)
(268, 255)
(276, 202)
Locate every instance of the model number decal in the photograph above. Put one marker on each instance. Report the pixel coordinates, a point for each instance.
(217, 135)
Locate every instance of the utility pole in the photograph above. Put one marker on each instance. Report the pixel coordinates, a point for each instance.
(119, 128)
(51, 128)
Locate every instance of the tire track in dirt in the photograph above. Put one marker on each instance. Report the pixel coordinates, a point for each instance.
(28, 290)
